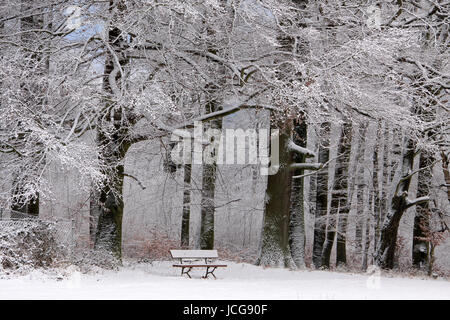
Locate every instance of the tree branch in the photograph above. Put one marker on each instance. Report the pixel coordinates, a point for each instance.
(296, 148)
(306, 166)
(411, 203)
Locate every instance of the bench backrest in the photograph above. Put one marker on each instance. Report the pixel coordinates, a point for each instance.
(194, 254)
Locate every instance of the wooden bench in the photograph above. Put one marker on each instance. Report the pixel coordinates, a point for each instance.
(190, 259)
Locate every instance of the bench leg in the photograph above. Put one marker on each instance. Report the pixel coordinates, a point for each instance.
(187, 272)
(210, 272)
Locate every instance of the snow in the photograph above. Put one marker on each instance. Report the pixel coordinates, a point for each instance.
(193, 254)
(159, 280)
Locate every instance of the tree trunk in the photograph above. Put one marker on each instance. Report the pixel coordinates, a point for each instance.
(312, 195)
(208, 187)
(360, 198)
(94, 213)
(339, 196)
(341, 238)
(108, 237)
(210, 169)
(375, 195)
(112, 139)
(420, 247)
(275, 234)
(431, 259)
(446, 172)
(368, 226)
(378, 187)
(321, 197)
(207, 206)
(109, 228)
(387, 151)
(186, 206)
(297, 209)
(398, 205)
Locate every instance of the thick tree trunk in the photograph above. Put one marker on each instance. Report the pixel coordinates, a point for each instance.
(321, 197)
(206, 240)
(207, 206)
(398, 205)
(297, 210)
(339, 196)
(208, 187)
(420, 247)
(375, 198)
(108, 237)
(112, 140)
(109, 228)
(275, 234)
(341, 237)
(297, 236)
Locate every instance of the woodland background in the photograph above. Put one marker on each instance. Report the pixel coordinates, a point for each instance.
(90, 92)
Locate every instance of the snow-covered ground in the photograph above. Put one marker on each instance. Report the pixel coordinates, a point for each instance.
(159, 280)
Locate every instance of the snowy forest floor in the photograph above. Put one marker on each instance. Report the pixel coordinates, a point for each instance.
(159, 280)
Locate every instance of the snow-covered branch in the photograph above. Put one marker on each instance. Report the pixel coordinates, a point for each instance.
(306, 166)
(296, 148)
(411, 203)
(223, 113)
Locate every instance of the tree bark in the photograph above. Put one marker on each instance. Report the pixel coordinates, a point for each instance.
(339, 197)
(94, 213)
(275, 234)
(341, 238)
(297, 209)
(321, 197)
(421, 248)
(446, 172)
(108, 237)
(113, 141)
(208, 187)
(360, 198)
(207, 206)
(186, 206)
(399, 203)
(378, 187)
(109, 228)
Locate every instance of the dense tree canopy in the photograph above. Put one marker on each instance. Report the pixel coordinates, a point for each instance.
(83, 81)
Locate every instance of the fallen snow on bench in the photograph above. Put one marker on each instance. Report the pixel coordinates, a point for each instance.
(239, 281)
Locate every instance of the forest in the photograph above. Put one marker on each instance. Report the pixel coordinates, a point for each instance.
(116, 118)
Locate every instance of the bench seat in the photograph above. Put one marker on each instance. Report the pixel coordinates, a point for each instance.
(188, 261)
(200, 265)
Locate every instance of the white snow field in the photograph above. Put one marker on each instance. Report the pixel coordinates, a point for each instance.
(159, 280)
